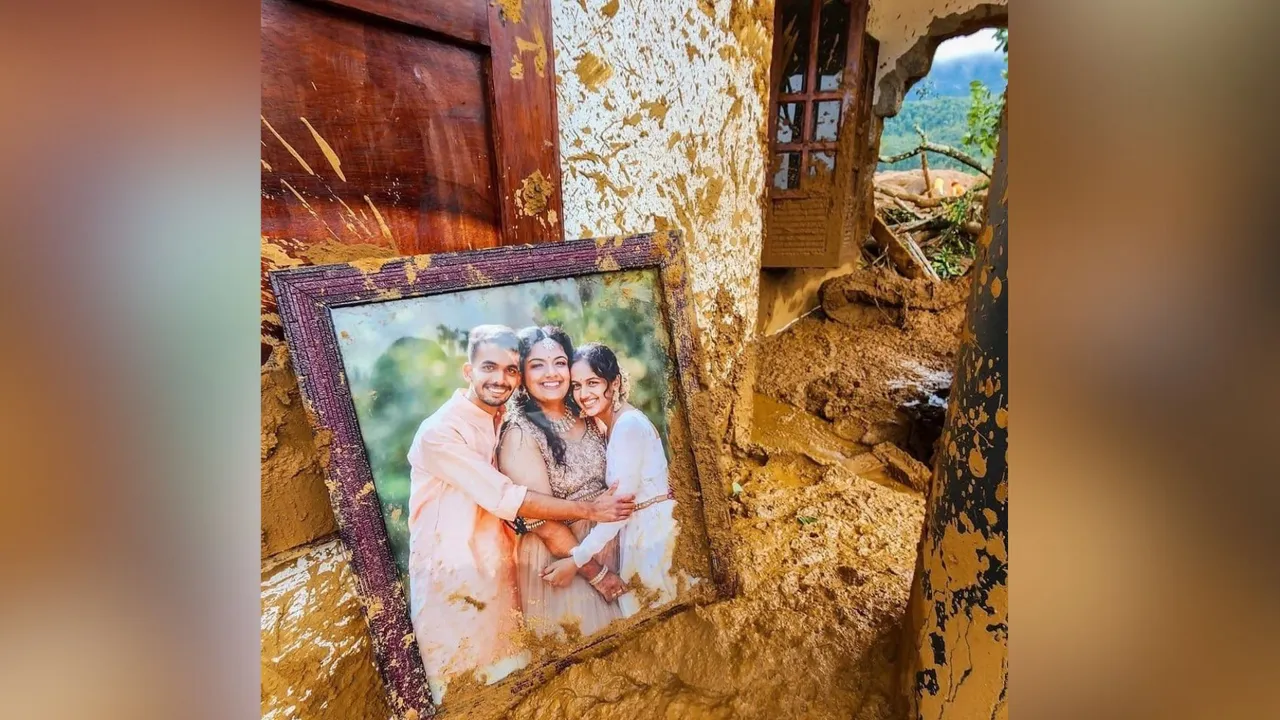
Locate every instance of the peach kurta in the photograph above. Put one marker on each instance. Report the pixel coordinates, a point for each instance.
(462, 584)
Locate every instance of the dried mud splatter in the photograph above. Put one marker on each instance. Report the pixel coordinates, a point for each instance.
(511, 11)
(535, 194)
(592, 71)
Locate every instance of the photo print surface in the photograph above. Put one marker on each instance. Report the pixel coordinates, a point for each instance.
(468, 404)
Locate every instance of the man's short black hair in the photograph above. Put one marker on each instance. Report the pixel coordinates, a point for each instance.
(500, 335)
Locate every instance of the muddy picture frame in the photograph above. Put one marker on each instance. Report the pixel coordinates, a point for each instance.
(306, 296)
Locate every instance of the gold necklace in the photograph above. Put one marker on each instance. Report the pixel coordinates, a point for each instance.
(563, 425)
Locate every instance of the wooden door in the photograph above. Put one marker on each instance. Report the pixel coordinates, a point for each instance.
(818, 84)
(416, 125)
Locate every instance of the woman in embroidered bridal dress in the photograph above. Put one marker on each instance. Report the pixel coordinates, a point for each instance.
(546, 446)
(636, 464)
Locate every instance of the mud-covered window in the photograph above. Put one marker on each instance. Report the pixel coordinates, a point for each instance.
(811, 48)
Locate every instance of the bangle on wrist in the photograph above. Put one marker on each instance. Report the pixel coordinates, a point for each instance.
(599, 576)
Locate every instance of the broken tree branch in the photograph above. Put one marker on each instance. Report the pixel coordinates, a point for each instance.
(930, 223)
(903, 252)
(924, 163)
(919, 200)
(907, 209)
(924, 168)
(947, 150)
(897, 193)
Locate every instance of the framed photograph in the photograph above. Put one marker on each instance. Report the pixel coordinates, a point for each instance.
(507, 444)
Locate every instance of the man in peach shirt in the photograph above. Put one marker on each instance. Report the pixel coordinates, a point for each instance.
(462, 586)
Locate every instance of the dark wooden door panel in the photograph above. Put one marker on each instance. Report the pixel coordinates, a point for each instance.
(465, 20)
(373, 134)
(419, 126)
(528, 152)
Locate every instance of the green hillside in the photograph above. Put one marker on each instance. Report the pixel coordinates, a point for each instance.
(943, 118)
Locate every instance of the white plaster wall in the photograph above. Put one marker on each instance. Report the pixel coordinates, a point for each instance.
(899, 24)
(662, 125)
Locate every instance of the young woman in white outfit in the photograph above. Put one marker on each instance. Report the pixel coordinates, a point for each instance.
(635, 464)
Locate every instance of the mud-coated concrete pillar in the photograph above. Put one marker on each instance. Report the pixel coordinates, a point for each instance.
(957, 630)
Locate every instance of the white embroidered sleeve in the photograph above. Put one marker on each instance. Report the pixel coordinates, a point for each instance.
(623, 469)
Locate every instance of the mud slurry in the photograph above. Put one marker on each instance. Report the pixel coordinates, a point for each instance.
(858, 377)
(813, 631)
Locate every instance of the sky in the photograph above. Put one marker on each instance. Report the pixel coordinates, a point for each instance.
(983, 41)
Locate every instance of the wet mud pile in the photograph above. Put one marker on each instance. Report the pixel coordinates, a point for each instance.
(875, 361)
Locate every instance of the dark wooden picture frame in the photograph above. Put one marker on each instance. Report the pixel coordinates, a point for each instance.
(305, 297)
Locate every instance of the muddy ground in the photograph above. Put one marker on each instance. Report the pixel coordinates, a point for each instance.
(858, 372)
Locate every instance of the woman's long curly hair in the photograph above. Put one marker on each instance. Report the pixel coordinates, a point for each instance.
(529, 337)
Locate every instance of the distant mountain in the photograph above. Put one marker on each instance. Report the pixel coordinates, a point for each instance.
(942, 113)
(951, 77)
(943, 118)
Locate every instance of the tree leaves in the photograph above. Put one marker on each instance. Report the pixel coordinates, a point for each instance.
(983, 119)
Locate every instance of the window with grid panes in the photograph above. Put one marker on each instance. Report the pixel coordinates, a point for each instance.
(810, 54)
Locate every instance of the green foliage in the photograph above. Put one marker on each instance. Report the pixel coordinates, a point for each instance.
(417, 373)
(806, 519)
(983, 119)
(942, 118)
(955, 247)
(949, 259)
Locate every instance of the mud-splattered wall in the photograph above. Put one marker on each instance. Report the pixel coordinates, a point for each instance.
(662, 125)
(957, 630)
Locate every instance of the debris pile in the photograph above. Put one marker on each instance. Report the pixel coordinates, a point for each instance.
(926, 223)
